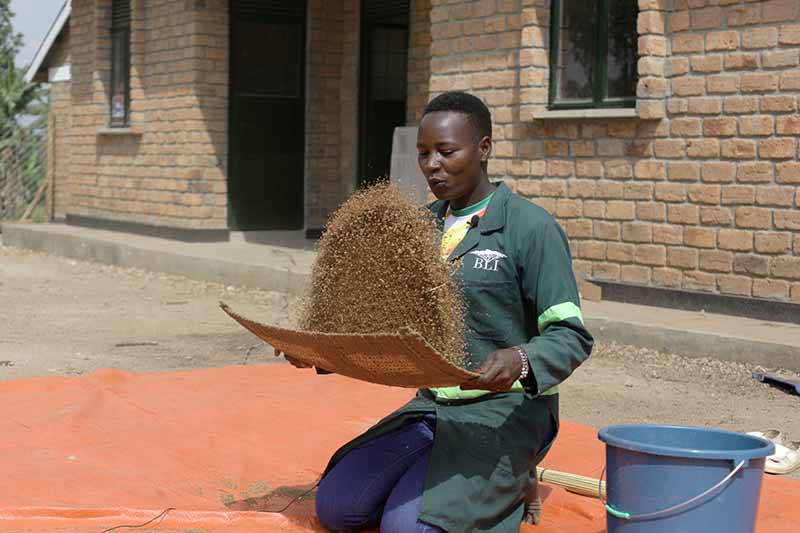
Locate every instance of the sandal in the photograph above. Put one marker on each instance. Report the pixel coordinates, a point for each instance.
(773, 435)
(786, 458)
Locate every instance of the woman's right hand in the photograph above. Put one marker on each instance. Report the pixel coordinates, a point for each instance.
(294, 362)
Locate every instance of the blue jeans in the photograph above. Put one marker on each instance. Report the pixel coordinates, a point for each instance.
(380, 482)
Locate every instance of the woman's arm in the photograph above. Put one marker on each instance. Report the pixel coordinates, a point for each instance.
(549, 285)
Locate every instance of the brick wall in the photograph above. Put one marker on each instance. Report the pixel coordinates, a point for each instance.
(701, 190)
(332, 106)
(170, 169)
(419, 60)
(58, 129)
(58, 197)
(348, 92)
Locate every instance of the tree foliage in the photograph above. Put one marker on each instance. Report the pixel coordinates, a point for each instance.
(16, 95)
(23, 124)
(10, 40)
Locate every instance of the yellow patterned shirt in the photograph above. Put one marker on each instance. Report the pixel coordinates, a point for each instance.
(456, 224)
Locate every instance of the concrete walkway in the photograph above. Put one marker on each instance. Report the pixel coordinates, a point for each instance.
(283, 264)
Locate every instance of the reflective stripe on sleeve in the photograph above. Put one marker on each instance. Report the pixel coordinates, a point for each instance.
(558, 313)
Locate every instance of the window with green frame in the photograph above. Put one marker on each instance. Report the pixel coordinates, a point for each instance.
(120, 86)
(593, 53)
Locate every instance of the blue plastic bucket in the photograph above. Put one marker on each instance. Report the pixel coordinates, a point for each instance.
(672, 479)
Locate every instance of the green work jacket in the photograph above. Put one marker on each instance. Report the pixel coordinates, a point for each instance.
(520, 289)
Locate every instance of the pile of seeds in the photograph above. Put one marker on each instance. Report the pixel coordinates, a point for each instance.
(379, 269)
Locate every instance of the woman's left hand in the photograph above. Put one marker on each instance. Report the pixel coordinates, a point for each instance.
(498, 373)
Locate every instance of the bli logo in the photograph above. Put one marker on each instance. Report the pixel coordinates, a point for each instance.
(487, 259)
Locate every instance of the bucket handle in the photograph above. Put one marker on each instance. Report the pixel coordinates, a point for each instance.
(655, 514)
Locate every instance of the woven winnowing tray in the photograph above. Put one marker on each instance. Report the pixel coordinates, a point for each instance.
(400, 359)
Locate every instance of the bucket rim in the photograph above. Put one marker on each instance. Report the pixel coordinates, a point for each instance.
(761, 447)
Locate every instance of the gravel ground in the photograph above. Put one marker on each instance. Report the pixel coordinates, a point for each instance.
(65, 317)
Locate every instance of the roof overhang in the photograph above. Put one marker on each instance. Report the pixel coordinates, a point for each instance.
(50, 38)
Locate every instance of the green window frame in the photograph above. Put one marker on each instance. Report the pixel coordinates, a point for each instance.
(120, 83)
(599, 60)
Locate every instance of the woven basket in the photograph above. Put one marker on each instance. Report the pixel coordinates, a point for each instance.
(400, 359)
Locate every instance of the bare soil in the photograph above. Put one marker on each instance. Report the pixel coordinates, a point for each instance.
(64, 317)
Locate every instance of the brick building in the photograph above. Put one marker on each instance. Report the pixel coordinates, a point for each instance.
(663, 134)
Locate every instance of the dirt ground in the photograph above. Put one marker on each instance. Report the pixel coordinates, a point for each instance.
(64, 317)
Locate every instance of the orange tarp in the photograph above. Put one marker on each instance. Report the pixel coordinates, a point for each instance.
(223, 447)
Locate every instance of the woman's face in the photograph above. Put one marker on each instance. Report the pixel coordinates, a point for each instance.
(450, 155)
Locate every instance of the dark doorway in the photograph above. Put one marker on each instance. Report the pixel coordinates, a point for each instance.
(267, 114)
(384, 60)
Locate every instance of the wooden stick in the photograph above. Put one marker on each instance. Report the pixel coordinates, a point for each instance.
(36, 198)
(585, 486)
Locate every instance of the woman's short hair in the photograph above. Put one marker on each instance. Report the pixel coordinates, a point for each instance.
(460, 102)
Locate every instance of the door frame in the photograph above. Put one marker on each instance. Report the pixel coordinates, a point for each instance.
(304, 106)
(363, 83)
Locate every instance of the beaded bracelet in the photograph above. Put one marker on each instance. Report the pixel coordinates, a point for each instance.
(525, 364)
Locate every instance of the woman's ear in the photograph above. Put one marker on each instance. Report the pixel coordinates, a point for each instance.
(485, 147)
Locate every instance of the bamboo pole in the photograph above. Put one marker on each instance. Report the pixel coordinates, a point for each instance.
(585, 486)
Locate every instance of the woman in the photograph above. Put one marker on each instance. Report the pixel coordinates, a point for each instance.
(460, 459)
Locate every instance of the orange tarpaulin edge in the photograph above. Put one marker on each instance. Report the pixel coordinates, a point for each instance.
(223, 447)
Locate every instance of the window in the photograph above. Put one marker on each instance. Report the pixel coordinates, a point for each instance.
(593, 53)
(120, 62)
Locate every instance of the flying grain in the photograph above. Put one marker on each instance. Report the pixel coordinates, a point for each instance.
(379, 269)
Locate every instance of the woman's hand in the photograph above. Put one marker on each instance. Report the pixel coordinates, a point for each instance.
(498, 373)
(295, 363)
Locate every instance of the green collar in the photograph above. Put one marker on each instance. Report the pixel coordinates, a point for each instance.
(495, 216)
(474, 208)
